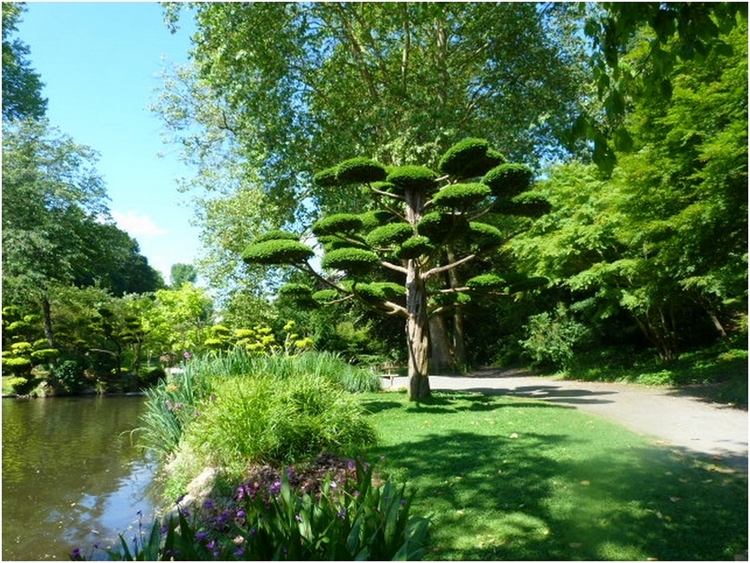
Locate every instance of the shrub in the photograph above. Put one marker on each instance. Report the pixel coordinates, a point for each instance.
(338, 222)
(552, 338)
(69, 375)
(461, 195)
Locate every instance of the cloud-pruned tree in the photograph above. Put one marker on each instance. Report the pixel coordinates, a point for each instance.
(394, 257)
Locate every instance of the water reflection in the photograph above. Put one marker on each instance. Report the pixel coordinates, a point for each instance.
(71, 475)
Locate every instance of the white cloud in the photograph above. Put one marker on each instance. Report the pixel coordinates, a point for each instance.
(137, 224)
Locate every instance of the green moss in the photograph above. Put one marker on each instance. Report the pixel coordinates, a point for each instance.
(352, 260)
(277, 252)
(508, 180)
(360, 171)
(412, 177)
(389, 235)
(461, 196)
(337, 223)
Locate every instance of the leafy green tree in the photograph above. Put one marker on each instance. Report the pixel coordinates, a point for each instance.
(396, 82)
(666, 237)
(419, 214)
(22, 86)
(182, 273)
(179, 319)
(674, 33)
(56, 226)
(50, 193)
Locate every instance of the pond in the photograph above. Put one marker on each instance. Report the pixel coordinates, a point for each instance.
(72, 476)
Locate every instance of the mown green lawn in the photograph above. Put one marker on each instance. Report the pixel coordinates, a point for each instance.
(511, 479)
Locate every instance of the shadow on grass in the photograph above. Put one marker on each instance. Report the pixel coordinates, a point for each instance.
(523, 498)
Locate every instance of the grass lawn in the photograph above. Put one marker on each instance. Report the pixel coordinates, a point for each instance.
(512, 479)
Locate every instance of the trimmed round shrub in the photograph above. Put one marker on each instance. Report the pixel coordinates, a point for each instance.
(508, 180)
(484, 235)
(333, 243)
(16, 365)
(45, 355)
(437, 225)
(275, 235)
(295, 290)
(352, 260)
(360, 171)
(466, 157)
(389, 235)
(455, 158)
(326, 178)
(40, 344)
(326, 295)
(277, 252)
(461, 195)
(487, 282)
(337, 223)
(525, 205)
(380, 291)
(414, 247)
(372, 219)
(412, 177)
(19, 348)
(17, 326)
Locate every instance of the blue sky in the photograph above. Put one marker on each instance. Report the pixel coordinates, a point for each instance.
(100, 63)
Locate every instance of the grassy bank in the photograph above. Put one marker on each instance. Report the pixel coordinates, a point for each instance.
(515, 479)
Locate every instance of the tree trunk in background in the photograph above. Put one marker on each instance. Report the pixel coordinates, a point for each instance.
(47, 317)
(441, 359)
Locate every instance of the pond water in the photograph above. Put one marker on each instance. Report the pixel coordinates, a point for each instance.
(72, 476)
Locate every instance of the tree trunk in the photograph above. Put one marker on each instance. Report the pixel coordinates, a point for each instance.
(441, 360)
(417, 334)
(459, 350)
(47, 317)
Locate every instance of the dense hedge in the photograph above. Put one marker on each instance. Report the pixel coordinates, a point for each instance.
(352, 260)
(389, 235)
(461, 196)
(337, 223)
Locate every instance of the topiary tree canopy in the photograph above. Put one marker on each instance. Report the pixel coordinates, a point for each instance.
(427, 225)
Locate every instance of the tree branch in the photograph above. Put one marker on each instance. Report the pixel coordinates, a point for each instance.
(441, 269)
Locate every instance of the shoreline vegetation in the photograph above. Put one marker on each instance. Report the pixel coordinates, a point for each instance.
(309, 452)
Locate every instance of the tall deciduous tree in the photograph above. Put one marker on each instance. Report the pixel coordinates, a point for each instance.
(55, 226)
(279, 90)
(419, 214)
(22, 86)
(666, 237)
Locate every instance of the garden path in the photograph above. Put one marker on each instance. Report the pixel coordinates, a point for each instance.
(669, 416)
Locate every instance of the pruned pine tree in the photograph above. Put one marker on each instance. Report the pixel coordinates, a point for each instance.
(419, 214)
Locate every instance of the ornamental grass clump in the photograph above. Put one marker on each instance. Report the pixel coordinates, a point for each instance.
(267, 419)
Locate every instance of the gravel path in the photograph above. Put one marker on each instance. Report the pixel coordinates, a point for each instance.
(669, 416)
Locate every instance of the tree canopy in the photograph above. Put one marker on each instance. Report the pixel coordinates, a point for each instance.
(22, 86)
